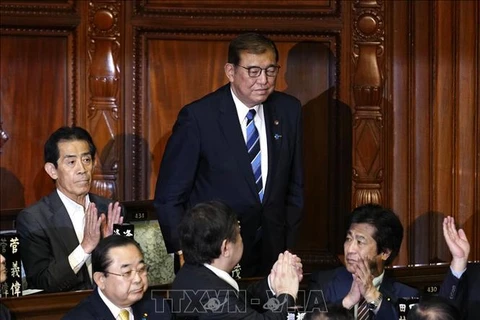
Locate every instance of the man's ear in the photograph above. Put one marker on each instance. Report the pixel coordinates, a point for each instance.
(51, 170)
(225, 249)
(99, 279)
(229, 71)
(386, 254)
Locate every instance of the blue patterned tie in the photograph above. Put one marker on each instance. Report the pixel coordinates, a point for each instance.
(253, 147)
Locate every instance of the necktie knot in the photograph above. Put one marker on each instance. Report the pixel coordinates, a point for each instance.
(251, 113)
(124, 314)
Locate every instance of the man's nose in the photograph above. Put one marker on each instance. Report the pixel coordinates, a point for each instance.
(351, 247)
(262, 78)
(81, 167)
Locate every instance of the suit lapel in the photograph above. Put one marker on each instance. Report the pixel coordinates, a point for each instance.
(273, 130)
(232, 131)
(100, 308)
(67, 236)
(387, 289)
(61, 221)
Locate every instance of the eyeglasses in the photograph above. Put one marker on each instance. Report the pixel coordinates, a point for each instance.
(255, 72)
(130, 274)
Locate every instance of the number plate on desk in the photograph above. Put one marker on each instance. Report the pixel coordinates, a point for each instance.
(432, 290)
(138, 216)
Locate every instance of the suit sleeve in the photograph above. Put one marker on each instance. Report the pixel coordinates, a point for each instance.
(294, 199)
(176, 177)
(455, 289)
(43, 270)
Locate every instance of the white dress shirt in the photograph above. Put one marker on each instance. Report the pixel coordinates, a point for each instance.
(76, 213)
(225, 276)
(113, 308)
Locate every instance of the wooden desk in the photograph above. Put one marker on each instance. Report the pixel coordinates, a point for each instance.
(53, 306)
(44, 306)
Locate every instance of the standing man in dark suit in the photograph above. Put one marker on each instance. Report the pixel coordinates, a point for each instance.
(462, 282)
(241, 144)
(373, 240)
(121, 277)
(203, 288)
(59, 232)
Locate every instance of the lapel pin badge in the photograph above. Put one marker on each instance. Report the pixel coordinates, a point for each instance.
(277, 136)
(276, 122)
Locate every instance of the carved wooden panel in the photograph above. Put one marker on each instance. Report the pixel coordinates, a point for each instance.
(369, 120)
(259, 8)
(104, 104)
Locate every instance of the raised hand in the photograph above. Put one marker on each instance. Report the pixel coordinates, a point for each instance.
(284, 277)
(364, 278)
(113, 217)
(457, 243)
(91, 230)
(353, 296)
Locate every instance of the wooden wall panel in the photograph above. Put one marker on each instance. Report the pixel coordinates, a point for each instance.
(34, 87)
(434, 92)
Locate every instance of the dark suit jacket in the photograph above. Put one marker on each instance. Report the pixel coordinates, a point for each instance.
(93, 308)
(47, 237)
(4, 313)
(339, 284)
(464, 292)
(198, 293)
(206, 159)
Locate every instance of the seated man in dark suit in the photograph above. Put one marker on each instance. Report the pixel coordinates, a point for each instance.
(121, 277)
(203, 288)
(59, 232)
(4, 312)
(372, 242)
(462, 283)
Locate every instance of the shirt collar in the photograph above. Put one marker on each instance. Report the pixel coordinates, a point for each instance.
(71, 205)
(377, 282)
(113, 308)
(225, 276)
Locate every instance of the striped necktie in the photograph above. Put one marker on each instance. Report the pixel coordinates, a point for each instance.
(363, 311)
(253, 147)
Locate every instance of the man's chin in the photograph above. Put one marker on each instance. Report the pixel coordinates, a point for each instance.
(350, 268)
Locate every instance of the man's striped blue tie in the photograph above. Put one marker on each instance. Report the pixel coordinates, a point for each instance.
(253, 147)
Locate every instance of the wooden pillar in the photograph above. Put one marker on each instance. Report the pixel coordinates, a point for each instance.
(103, 119)
(368, 119)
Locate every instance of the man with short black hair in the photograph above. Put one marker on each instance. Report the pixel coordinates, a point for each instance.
(241, 144)
(203, 288)
(373, 241)
(59, 232)
(120, 274)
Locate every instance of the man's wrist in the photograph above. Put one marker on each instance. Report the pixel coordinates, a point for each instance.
(373, 295)
(374, 304)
